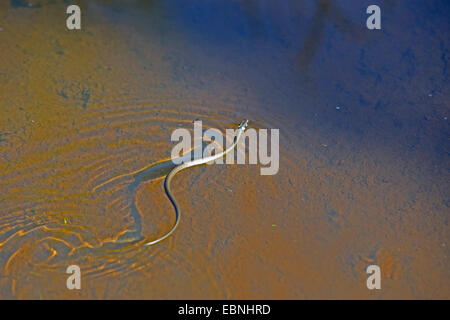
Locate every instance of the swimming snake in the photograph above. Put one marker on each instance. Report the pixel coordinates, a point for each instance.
(189, 164)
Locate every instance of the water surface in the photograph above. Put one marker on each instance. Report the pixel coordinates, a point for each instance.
(85, 124)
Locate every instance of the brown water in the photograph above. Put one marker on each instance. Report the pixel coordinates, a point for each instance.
(85, 124)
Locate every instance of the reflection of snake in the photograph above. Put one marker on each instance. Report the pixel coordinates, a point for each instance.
(188, 164)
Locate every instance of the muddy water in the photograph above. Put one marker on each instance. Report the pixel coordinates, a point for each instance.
(85, 124)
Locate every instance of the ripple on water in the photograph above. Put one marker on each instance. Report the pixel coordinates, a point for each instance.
(71, 197)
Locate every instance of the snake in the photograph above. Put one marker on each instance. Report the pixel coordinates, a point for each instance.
(188, 164)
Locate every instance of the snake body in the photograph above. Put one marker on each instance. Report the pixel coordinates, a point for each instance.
(189, 164)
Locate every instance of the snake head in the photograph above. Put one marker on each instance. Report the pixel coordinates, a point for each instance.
(243, 125)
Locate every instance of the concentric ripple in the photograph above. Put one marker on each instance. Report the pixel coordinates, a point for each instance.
(73, 198)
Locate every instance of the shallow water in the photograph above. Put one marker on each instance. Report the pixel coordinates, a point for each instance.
(85, 124)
